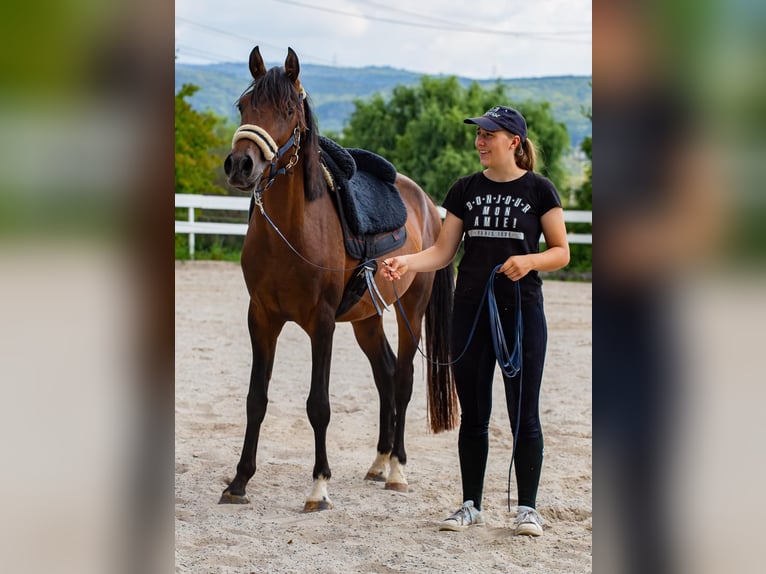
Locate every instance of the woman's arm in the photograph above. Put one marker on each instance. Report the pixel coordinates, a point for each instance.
(435, 257)
(555, 256)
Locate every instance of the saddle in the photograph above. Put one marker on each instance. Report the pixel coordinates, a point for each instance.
(371, 212)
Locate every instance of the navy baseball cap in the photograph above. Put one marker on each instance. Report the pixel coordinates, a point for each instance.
(501, 118)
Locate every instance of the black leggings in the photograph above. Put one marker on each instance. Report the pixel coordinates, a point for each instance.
(473, 379)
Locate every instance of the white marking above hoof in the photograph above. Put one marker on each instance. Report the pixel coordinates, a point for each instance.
(318, 499)
(396, 479)
(379, 469)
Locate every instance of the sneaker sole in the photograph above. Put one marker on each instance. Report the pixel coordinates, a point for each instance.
(456, 528)
(529, 530)
(451, 528)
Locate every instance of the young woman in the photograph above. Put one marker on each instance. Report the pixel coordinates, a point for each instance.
(501, 211)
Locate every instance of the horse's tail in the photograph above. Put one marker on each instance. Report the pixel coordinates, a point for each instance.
(443, 408)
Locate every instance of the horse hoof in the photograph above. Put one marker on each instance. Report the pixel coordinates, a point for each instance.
(397, 486)
(317, 505)
(375, 477)
(229, 498)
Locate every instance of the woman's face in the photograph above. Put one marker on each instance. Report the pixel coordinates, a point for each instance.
(495, 148)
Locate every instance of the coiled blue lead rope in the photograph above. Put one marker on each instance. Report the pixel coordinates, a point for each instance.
(510, 362)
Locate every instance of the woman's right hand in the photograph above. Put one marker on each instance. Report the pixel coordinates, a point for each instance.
(394, 267)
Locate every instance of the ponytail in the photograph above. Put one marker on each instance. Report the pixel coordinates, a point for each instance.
(526, 155)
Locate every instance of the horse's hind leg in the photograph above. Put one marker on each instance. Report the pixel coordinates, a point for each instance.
(263, 337)
(372, 340)
(414, 303)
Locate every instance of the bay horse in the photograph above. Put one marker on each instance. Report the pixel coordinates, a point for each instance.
(295, 269)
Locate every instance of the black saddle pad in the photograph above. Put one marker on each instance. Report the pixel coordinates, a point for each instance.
(370, 209)
(364, 183)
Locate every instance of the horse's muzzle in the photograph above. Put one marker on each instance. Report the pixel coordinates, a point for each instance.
(242, 169)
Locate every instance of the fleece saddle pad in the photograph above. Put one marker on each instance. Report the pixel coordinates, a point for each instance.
(371, 210)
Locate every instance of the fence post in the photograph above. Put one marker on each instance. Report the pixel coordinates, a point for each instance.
(191, 235)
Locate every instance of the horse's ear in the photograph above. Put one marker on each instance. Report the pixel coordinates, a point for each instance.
(292, 66)
(257, 68)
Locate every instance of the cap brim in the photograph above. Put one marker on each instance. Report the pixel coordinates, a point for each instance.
(483, 122)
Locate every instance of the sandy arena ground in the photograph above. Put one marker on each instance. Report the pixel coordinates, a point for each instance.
(370, 530)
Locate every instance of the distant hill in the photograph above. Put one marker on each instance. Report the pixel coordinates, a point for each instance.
(334, 89)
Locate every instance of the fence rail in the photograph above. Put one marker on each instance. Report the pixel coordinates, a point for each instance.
(223, 202)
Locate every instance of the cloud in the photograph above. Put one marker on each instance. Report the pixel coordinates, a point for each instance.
(552, 36)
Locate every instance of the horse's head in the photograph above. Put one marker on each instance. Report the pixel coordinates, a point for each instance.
(272, 123)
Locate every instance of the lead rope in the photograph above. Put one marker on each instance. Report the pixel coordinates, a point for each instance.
(511, 362)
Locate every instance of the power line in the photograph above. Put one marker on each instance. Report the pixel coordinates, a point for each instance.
(247, 39)
(461, 26)
(250, 41)
(408, 12)
(450, 27)
(204, 54)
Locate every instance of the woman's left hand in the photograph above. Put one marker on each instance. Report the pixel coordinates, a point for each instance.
(516, 267)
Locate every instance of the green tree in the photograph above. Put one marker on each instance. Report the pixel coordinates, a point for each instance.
(585, 193)
(420, 130)
(196, 137)
(581, 255)
(200, 145)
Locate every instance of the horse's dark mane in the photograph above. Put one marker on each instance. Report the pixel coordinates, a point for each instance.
(276, 89)
(314, 182)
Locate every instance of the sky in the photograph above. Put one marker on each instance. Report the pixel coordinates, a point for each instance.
(480, 39)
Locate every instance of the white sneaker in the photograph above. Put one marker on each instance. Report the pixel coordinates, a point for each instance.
(464, 517)
(528, 522)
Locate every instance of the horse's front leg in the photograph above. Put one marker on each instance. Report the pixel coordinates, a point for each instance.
(318, 409)
(263, 338)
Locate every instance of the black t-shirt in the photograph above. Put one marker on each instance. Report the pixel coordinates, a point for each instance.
(500, 219)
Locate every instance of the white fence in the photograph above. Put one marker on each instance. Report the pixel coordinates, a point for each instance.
(192, 227)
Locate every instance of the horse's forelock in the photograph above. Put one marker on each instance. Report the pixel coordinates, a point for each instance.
(275, 89)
